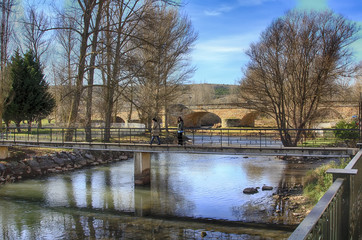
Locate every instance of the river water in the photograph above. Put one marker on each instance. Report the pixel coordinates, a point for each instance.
(192, 196)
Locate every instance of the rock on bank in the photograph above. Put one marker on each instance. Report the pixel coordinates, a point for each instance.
(57, 162)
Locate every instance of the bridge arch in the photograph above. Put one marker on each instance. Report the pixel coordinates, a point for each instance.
(198, 119)
(210, 119)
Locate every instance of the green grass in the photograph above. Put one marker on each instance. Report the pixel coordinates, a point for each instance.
(320, 142)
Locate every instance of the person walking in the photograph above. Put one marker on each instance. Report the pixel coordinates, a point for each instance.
(180, 130)
(155, 131)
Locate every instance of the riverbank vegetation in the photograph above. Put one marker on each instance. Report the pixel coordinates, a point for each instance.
(318, 181)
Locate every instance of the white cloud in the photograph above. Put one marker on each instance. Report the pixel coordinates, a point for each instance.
(222, 58)
(240, 3)
(218, 11)
(253, 2)
(225, 49)
(212, 13)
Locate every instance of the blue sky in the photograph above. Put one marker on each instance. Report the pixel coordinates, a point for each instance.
(226, 29)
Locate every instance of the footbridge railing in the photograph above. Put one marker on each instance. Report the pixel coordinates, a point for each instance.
(263, 137)
(338, 215)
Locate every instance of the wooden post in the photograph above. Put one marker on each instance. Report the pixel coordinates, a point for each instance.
(4, 152)
(142, 168)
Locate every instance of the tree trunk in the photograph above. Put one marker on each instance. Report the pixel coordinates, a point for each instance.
(1, 118)
(17, 123)
(29, 126)
(88, 120)
(108, 114)
(81, 70)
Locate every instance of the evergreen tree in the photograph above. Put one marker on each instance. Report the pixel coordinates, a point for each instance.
(31, 98)
(40, 103)
(14, 104)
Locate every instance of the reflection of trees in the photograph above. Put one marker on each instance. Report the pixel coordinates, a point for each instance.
(123, 195)
(67, 223)
(253, 170)
(109, 202)
(88, 188)
(251, 212)
(166, 198)
(276, 209)
(292, 176)
(79, 231)
(69, 191)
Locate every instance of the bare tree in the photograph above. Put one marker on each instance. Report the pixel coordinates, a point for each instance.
(119, 24)
(166, 40)
(6, 7)
(88, 27)
(83, 28)
(35, 28)
(201, 93)
(92, 66)
(64, 70)
(297, 62)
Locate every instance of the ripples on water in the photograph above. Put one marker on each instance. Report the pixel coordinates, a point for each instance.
(189, 195)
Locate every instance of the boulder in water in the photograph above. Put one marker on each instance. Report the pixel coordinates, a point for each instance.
(250, 190)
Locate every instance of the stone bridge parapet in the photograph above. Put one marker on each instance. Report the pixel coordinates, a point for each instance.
(238, 114)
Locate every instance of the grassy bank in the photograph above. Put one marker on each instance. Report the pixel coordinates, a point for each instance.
(318, 181)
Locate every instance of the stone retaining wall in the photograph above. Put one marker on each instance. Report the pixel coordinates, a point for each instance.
(58, 162)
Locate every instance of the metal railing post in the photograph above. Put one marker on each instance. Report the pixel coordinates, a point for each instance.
(221, 136)
(202, 139)
(130, 135)
(260, 138)
(75, 135)
(193, 137)
(347, 175)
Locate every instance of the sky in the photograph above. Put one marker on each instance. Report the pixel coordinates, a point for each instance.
(226, 28)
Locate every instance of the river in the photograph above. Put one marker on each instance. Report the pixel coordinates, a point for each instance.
(192, 196)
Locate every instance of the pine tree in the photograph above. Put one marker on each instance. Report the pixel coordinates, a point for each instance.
(40, 103)
(31, 99)
(14, 109)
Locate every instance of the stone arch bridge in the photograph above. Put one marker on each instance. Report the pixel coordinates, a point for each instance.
(237, 115)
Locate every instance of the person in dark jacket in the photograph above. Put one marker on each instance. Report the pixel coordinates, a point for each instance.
(180, 130)
(155, 131)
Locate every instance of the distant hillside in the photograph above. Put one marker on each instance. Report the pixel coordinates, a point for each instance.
(208, 94)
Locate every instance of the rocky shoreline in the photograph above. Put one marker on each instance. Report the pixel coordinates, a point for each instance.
(57, 162)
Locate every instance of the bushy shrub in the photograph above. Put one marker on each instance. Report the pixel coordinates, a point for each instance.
(346, 131)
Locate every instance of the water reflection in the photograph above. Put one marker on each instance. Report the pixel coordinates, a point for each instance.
(182, 185)
(194, 186)
(35, 222)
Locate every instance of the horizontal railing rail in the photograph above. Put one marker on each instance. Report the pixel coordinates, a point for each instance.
(262, 137)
